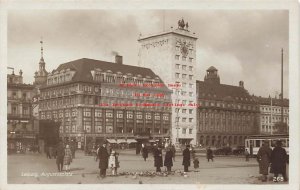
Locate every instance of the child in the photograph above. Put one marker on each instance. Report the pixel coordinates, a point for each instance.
(196, 163)
(113, 162)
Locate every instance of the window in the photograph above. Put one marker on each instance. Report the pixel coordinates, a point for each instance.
(184, 67)
(191, 77)
(190, 94)
(190, 131)
(177, 66)
(177, 75)
(184, 119)
(190, 111)
(190, 68)
(177, 57)
(190, 120)
(183, 76)
(183, 58)
(183, 131)
(183, 110)
(183, 84)
(190, 59)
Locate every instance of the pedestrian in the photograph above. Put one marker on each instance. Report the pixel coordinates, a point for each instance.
(186, 162)
(263, 158)
(67, 158)
(60, 153)
(173, 149)
(196, 163)
(168, 162)
(96, 152)
(47, 151)
(144, 152)
(51, 151)
(209, 155)
(158, 160)
(279, 160)
(103, 160)
(113, 162)
(73, 148)
(247, 155)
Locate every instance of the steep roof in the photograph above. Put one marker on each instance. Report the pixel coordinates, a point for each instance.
(223, 92)
(84, 66)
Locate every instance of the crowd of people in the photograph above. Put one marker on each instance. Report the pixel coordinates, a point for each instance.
(270, 161)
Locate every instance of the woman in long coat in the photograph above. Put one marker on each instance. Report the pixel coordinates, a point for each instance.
(168, 159)
(279, 160)
(263, 158)
(67, 157)
(158, 160)
(186, 162)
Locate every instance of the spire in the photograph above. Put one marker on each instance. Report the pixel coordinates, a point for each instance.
(42, 49)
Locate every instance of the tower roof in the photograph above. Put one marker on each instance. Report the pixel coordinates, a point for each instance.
(212, 68)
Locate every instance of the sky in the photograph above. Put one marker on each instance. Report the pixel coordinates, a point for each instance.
(242, 44)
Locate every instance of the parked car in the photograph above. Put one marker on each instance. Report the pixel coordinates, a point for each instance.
(223, 151)
(239, 150)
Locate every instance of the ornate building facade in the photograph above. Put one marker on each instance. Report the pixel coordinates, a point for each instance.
(96, 100)
(226, 114)
(20, 129)
(270, 114)
(172, 55)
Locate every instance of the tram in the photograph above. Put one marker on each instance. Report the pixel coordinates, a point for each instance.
(254, 142)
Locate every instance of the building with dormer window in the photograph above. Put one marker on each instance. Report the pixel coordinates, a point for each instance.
(102, 100)
(226, 114)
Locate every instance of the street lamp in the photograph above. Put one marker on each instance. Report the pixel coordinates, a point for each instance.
(85, 141)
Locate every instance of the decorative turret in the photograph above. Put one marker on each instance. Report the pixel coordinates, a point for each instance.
(212, 75)
(41, 75)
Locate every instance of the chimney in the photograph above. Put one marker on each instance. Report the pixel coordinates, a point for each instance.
(119, 59)
(241, 84)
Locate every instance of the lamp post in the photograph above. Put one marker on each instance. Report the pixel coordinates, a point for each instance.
(85, 141)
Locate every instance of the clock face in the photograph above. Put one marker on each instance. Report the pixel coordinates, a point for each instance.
(184, 50)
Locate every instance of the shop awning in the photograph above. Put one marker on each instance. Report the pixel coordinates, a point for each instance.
(119, 141)
(131, 141)
(112, 141)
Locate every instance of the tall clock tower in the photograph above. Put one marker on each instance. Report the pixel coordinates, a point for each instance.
(172, 55)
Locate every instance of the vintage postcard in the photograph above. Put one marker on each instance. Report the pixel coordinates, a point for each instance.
(140, 94)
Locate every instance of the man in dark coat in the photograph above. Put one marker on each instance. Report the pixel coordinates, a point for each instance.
(168, 159)
(209, 155)
(47, 151)
(144, 152)
(279, 160)
(103, 160)
(263, 158)
(60, 153)
(158, 160)
(186, 162)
